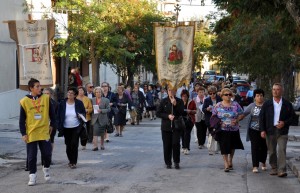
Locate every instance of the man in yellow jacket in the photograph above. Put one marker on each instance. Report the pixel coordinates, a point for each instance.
(36, 121)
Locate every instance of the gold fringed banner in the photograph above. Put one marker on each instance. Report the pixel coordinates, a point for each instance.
(32, 38)
(174, 52)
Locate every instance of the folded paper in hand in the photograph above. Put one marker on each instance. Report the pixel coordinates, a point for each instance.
(82, 117)
(96, 108)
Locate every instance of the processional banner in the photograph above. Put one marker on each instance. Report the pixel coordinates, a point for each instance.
(32, 38)
(174, 52)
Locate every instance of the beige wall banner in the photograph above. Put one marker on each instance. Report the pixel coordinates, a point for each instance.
(174, 52)
(32, 38)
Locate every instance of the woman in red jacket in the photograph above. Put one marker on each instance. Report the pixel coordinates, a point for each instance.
(189, 117)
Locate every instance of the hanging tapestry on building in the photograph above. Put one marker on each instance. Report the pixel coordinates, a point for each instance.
(32, 38)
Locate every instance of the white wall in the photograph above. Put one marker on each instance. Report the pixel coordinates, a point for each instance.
(9, 95)
(9, 10)
(9, 103)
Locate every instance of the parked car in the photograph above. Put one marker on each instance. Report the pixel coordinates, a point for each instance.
(240, 82)
(296, 104)
(243, 89)
(208, 73)
(236, 77)
(212, 78)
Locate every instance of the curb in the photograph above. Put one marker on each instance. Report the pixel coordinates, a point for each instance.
(5, 126)
(295, 138)
(294, 165)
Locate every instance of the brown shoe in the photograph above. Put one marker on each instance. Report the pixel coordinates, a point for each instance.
(273, 172)
(282, 174)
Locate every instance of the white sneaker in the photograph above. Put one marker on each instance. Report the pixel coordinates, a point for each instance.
(32, 180)
(196, 140)
(201, 147)
(182, 150)
(255, 170)
(186, 152)
(46, 173)
(83, 147)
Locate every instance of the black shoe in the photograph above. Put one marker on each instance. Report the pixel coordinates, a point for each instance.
(95, 149)
(169, 166)
(177, 166)
(117, 135)
(282, 174)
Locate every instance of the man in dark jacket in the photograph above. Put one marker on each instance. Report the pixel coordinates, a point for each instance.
(169, 110)
(276, 115)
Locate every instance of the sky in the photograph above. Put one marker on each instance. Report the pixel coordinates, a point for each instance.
(188, 9)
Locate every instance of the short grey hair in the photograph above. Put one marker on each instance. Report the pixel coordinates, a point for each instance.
(50, 90)
(100, 89)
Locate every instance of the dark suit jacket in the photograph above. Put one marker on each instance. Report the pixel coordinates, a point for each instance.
(165, 109)
(61, 112)
(206, 104)
(266, 117)
(93, 95)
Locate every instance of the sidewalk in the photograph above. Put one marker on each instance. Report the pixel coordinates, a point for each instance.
(9, 128)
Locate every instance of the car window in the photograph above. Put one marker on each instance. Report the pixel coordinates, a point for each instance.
(209, 72)
(243, 88)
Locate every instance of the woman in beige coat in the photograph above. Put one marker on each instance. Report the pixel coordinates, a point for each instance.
(99, 117)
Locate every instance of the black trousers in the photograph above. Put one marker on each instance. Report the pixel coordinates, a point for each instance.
(83, 135)
(171, 145)
(46, 152)
(187, 137)
(201, 132)
(259, 148)
(72, 142)
(89, 131)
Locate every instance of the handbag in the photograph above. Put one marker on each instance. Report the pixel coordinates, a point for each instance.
(83, 132)
(212, 144)
(115, 110)
(110, 127)
(215, 124)
(179, 123)
(188, 122)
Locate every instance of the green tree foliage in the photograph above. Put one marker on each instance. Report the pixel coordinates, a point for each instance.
(116, 32)
(202, 42)
(259, 38)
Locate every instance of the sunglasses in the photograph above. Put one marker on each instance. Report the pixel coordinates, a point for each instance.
(211, 93)
(91, 87)
(227, 94)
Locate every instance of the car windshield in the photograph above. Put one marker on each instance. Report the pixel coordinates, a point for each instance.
(211, 78)
(209, 72)
(243, 88)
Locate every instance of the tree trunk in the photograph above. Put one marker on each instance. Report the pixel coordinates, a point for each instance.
(95, 67)
(294, 12)
(66, 83)
(130, 80)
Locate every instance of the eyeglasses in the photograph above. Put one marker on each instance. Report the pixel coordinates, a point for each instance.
(227, 94)
(91, 87)
(211, 93)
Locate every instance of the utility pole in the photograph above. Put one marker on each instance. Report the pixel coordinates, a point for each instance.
(177, 10)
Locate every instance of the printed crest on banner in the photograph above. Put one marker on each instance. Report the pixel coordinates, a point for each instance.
(174, 53)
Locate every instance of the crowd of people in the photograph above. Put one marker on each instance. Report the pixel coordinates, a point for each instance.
(87, 112)
(216, 110)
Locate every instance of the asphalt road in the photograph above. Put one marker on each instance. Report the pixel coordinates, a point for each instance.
(134, 164)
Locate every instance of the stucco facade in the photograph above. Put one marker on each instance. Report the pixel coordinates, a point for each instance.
(9, 92)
